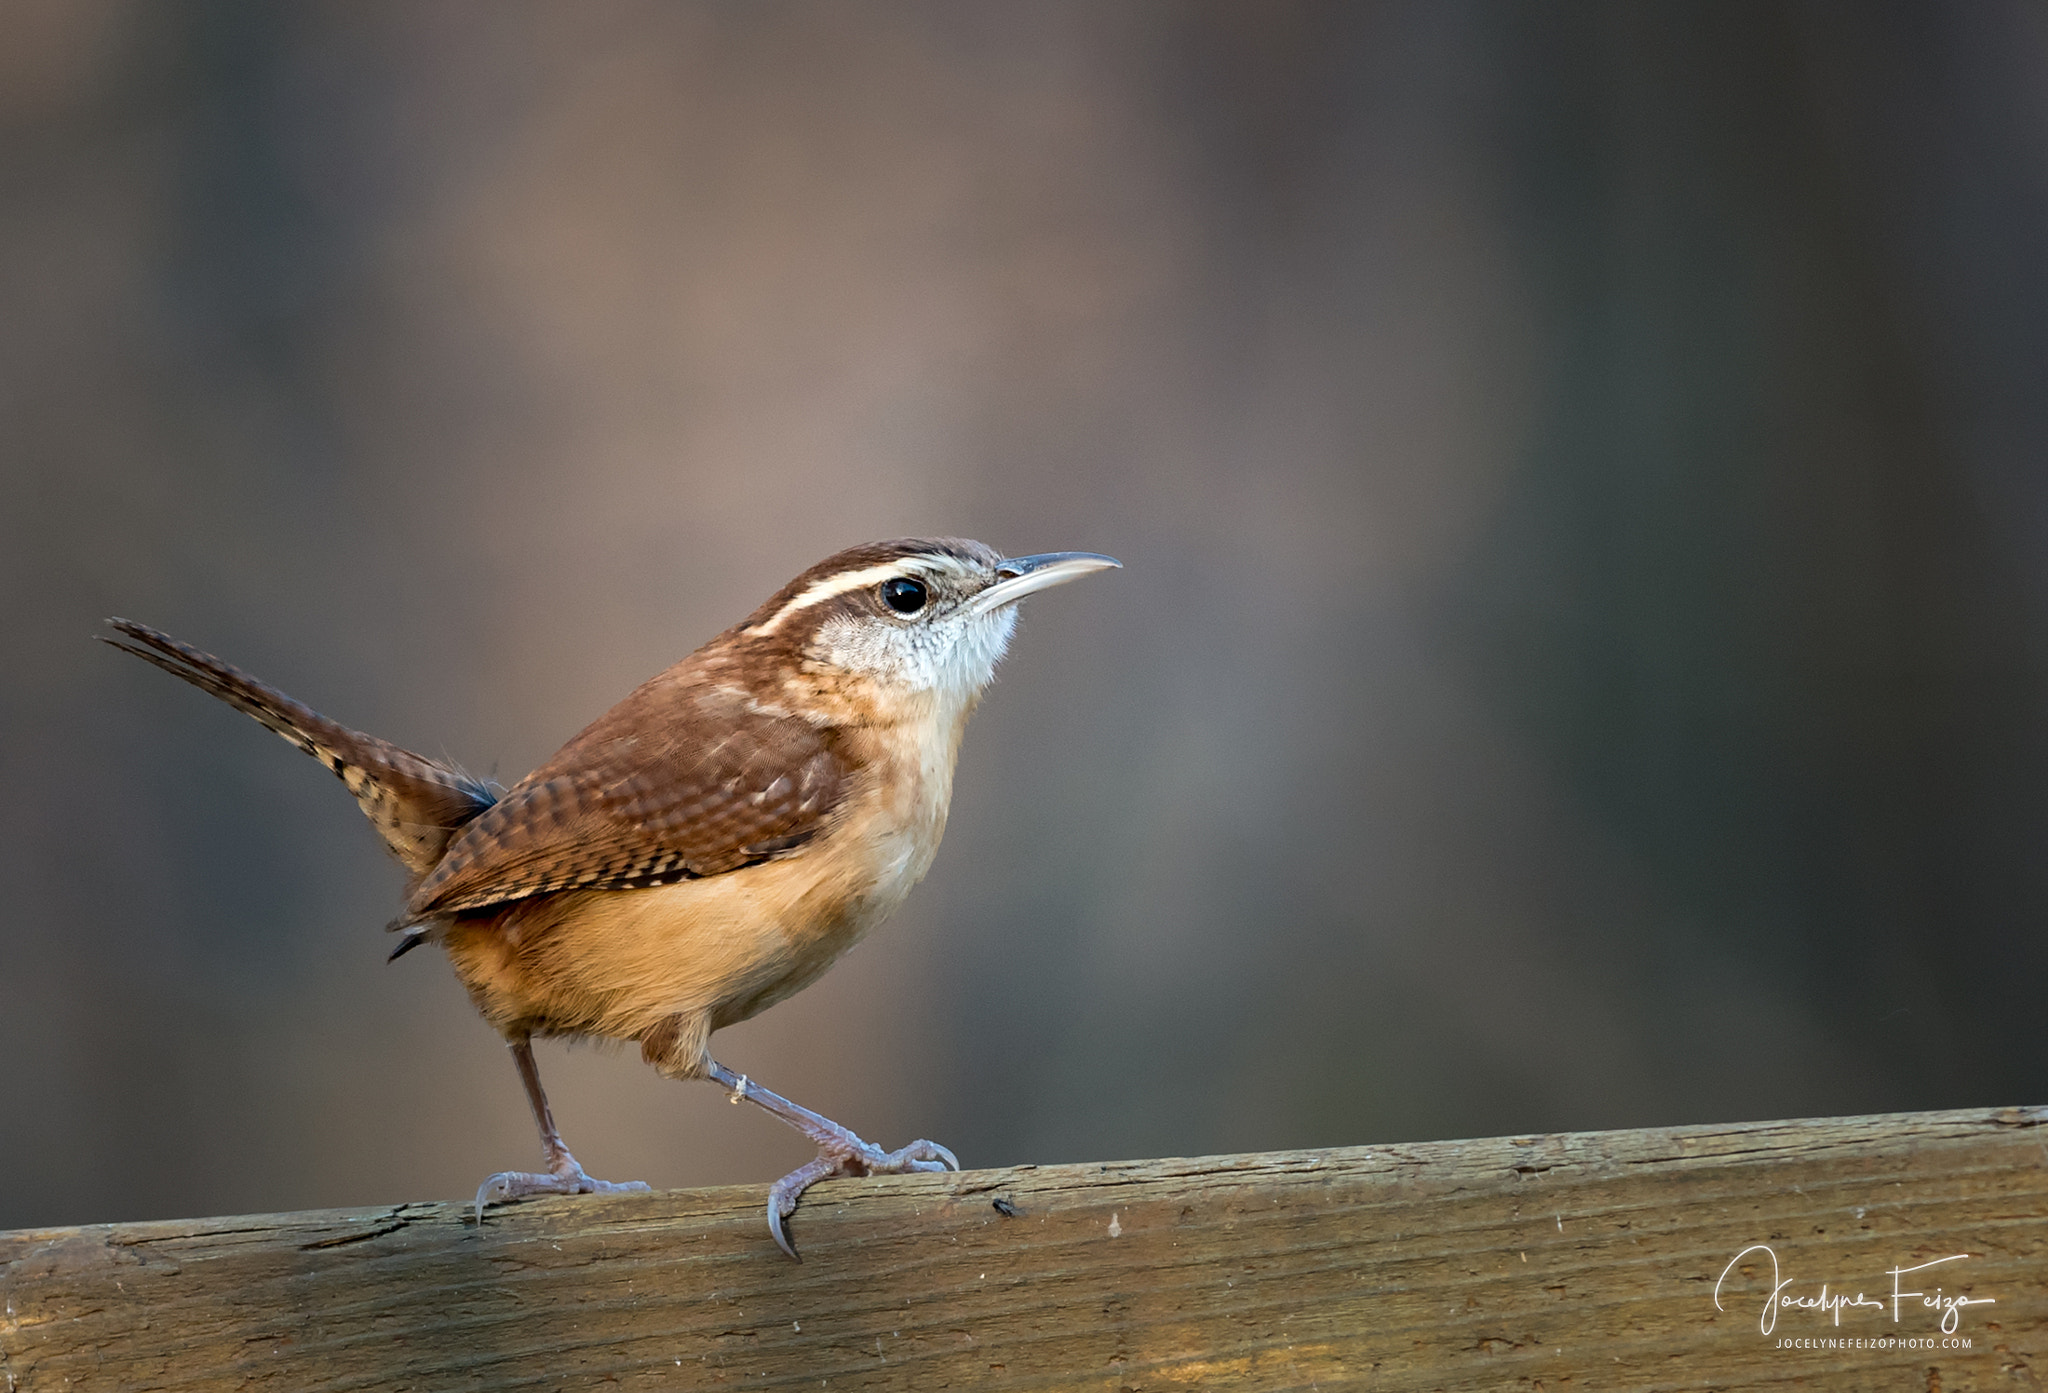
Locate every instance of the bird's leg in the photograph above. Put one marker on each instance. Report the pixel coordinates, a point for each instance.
(840, 1152)
(563, 1175)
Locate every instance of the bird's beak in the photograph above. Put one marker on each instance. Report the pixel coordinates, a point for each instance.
(1022, 575)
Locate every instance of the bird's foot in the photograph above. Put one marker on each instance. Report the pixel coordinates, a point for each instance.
(566, 1178)
(840, 1152)
(852, 1157)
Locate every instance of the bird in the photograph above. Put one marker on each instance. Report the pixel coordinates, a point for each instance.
(708, 846)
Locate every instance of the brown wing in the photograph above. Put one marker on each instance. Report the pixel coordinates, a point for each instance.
(675, 782)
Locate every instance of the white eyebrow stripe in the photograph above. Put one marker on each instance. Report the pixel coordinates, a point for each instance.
(833, 585)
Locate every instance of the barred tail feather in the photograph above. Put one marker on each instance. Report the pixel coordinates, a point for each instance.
(415, 803)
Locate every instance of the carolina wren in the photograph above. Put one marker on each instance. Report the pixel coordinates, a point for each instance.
(708, 846)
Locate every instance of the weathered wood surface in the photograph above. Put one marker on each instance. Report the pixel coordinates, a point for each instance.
(1584, 1261)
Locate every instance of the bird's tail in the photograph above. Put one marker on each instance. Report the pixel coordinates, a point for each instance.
(415, 803)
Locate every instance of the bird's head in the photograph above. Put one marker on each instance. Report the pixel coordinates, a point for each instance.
(922, 616)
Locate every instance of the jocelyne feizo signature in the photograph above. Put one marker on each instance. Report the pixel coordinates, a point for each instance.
(1833, 1304)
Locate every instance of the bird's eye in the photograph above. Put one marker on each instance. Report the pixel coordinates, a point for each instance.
(904, 596)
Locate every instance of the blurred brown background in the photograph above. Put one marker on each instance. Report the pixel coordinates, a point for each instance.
(1582, 659)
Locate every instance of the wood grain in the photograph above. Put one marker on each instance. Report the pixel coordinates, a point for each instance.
(1583, 1261)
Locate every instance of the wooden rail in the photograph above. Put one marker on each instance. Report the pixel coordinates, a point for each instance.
(1584, 1261)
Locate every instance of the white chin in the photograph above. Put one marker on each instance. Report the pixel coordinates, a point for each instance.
(957, 660)
(972, 659)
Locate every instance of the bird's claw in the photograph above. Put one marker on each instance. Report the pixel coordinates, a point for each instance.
(859, 1159)
(566, 1179)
